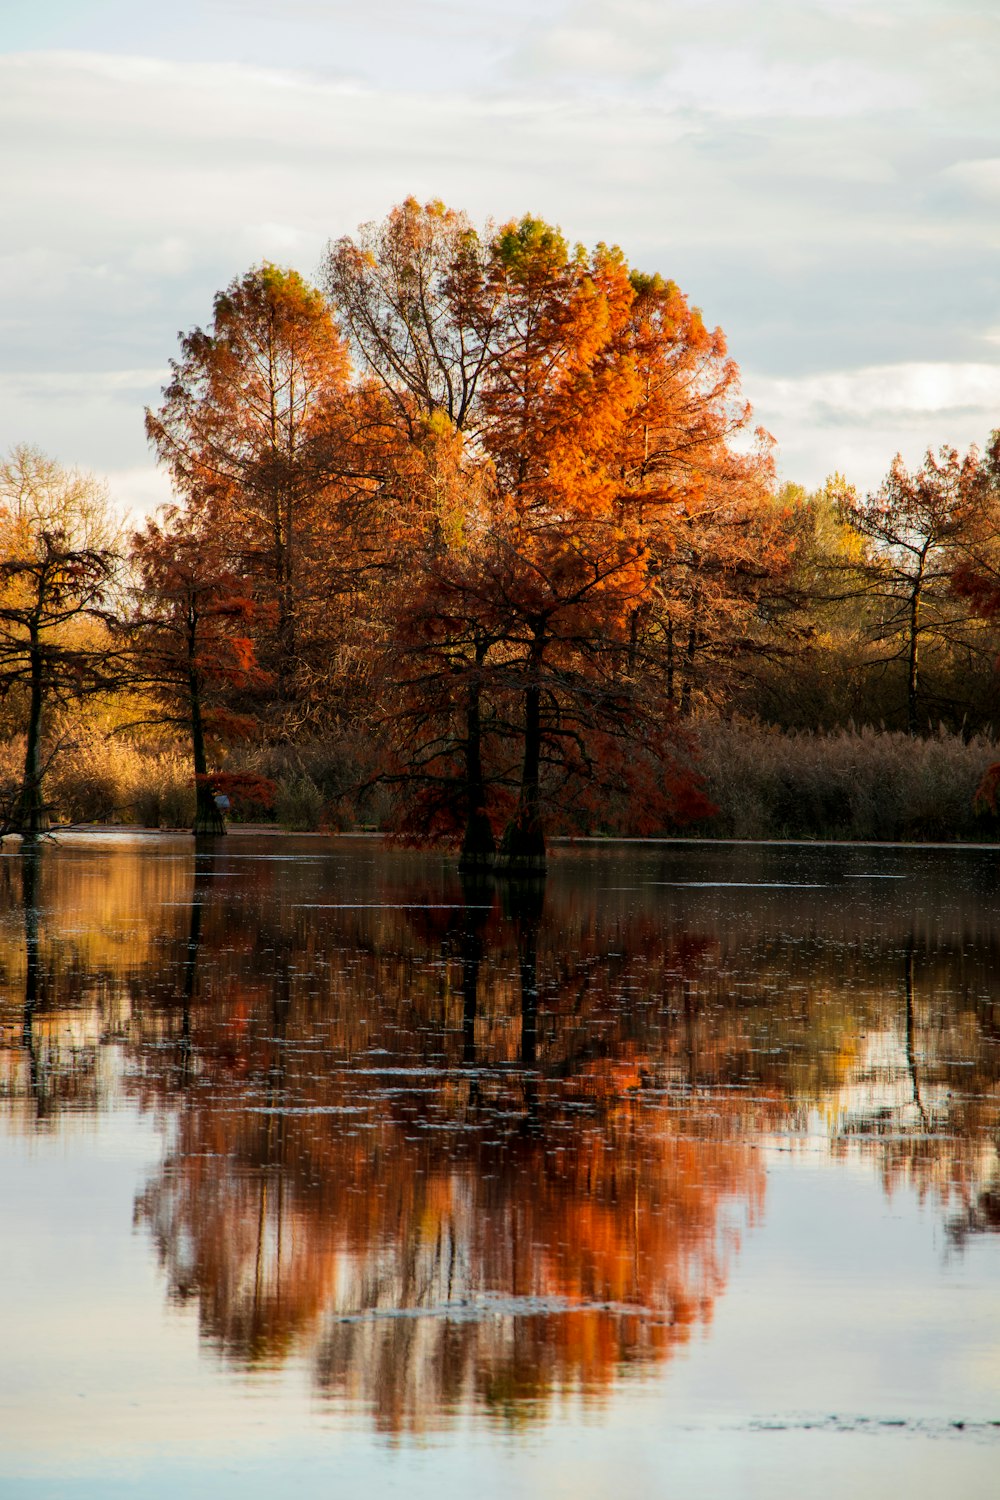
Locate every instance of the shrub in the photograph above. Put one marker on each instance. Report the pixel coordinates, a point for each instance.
(299, 804)
(321, 783)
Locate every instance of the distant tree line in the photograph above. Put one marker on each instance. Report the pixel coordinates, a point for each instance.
(487, 513)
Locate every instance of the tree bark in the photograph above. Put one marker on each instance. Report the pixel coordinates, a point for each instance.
(207, 818)
(522, 849)
(913, 664)
(670, 661)
(689, 654)
(31, 817)
(478, 844)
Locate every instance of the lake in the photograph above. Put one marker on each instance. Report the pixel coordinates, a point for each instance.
(322, 1172)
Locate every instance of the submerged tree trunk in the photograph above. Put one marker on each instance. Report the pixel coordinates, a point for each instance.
(30, 858)
(29, 900)
(199, 895)
(911, 1054)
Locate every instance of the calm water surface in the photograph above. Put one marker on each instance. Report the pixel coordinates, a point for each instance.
(320, 1171)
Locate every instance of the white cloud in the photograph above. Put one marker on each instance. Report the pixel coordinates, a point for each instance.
(740, 84)
(912, 391)
(138, 493)
(170, 256)
(91, 418)
(856, 421)
(927, 48)
(74, 384)
(278, 242)
(719, 78)
(982, 176)
(771, 159)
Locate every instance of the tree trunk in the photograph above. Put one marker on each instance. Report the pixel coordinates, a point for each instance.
(670, 661)
(633, 641)
(31, 817)
(912, 673)
(478, 844)
(287, 632)
(207, 817)
(689, 654)
(522, 849)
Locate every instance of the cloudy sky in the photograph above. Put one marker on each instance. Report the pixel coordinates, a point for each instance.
(822, 177)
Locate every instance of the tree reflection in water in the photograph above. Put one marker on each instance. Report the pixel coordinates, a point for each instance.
(451, 1144)
(449, 1211)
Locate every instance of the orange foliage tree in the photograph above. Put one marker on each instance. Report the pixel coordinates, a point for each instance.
(508, 643)
(254, 430)
(926, 557)
(696, 480)
(516, 524)
(191, 647)
(571, 566)
(975, 576)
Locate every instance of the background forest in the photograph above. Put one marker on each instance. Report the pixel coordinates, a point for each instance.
(477, 542)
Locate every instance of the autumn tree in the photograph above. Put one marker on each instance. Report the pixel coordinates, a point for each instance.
(697, 479)
(809, 671)
(975, 578)
(190, 644)
(440, 626)
(512, 618)
(500, 633)
(416, 301)
(254, 430)
(918, 527)
(570, 566)
(58, 566)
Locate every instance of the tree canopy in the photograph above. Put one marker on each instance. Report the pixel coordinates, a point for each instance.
(486, 515)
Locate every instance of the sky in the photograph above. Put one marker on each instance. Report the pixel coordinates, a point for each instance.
(821, 177)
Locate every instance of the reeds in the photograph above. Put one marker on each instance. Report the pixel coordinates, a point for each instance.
(107, 779)
(867, 784)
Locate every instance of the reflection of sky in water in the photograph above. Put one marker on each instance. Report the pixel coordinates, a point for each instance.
(816, 1338)
(774, 1109)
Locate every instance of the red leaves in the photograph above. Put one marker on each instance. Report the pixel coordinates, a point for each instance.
(970, 581)
(489, 534)
(986, 792)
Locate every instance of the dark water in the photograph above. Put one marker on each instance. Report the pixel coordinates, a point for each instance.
(319, 1171)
